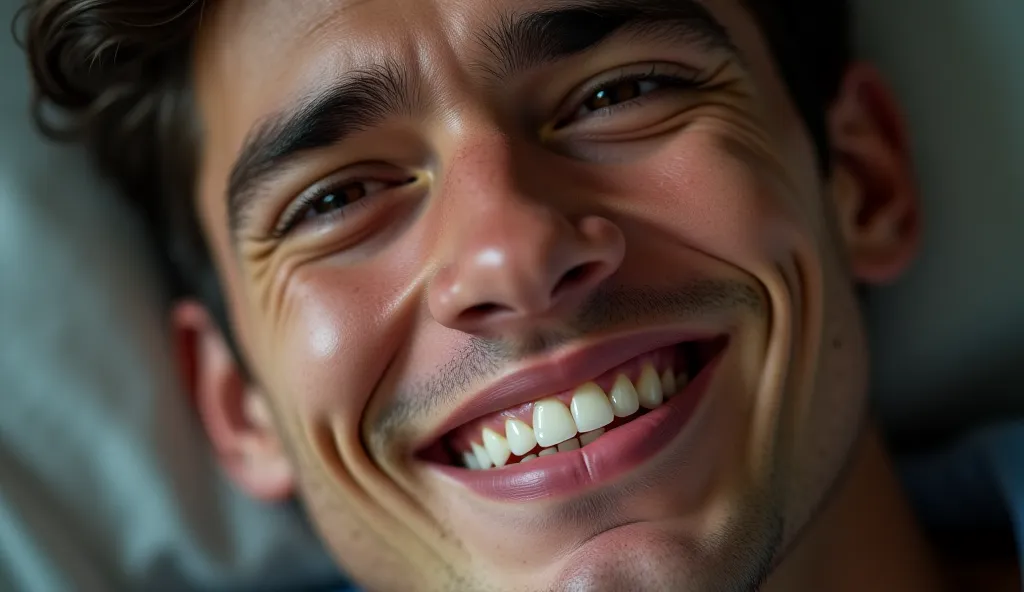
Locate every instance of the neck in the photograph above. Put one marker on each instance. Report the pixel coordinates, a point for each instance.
(864, 538)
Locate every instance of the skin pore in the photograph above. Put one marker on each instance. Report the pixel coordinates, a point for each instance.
(508, 201)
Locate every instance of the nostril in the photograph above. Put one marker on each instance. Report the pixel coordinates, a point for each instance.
(574, 277)
(574, 273)
(486, 307)
(481, 310)
(534, 299)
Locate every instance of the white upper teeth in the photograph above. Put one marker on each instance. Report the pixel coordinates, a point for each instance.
(555, 426)
(497, 447)
(668, 383)
(482, 458)
(591, 408)
(520, 437)
(623, 396)
(552, 422)
(682, 380)
(648, 388)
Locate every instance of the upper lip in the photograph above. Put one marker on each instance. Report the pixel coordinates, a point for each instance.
(562, 371)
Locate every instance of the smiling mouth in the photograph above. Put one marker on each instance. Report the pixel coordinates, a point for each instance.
(576, 418)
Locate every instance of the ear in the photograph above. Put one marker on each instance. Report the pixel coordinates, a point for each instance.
(235, 413)
(872, 178)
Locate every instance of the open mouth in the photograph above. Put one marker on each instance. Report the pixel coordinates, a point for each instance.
(576, 418)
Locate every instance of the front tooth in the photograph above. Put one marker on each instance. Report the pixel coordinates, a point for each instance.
(552, 422)
(570, 444)
(497, 447)
(623, 396)
(528, 458)
(681, 381)
(648, 388)
(520, 437)
(469, 459)
(590, 408)
(590, 436)
(668, 383)
(546, 452)
(482, 458)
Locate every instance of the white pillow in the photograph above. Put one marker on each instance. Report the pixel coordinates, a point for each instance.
(105, 479)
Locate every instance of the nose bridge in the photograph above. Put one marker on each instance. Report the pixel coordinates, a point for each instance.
(509, 256)
(492, 227)
(491, 217)
(481, 175)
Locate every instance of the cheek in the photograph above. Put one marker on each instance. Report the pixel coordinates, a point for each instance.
(328, 347)
(722, 196)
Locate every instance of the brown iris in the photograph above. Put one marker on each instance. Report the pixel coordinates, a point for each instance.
(620, 92)
(338, 198)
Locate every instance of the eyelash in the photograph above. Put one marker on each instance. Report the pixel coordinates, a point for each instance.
(296, 213)
(669, 81)
(301, 207)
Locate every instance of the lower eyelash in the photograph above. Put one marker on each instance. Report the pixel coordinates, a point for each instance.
(668, 80)
(292, 220)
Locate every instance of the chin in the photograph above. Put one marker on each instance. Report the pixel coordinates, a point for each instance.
(662, 556)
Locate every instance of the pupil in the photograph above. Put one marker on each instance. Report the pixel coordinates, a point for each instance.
(326, 203)
(341, 197)
(626, 90)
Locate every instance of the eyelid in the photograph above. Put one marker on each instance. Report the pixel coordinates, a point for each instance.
(680, 75)
(290, 217)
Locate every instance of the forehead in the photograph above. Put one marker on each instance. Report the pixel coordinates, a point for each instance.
(258, 57)
(266, 49)
(295, 44)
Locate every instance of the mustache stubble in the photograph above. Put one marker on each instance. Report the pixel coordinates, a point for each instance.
(607, 310)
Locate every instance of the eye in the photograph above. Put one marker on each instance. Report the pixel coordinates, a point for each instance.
(616, 93)
(333, 199)
(626, 90)
(338, 197)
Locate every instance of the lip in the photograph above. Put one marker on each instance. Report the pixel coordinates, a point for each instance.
(617, 452)
(563, 371)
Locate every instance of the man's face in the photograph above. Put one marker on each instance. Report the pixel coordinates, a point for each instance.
(455, 233)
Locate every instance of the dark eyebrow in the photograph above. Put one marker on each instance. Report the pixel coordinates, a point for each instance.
(364, 97)
(522, 41)
(358, 101)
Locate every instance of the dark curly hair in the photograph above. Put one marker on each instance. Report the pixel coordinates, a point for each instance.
(115, 74)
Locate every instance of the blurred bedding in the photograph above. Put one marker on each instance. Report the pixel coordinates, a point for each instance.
(105, 480)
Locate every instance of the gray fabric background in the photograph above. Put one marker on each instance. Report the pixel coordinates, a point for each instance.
(105, 480)
(949, 337)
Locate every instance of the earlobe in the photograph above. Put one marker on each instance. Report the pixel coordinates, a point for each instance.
(236, 414)
(872, 179)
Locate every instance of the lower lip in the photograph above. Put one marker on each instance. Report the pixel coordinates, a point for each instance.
(569, 473)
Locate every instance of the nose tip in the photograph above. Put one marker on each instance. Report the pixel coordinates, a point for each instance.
(519, 278)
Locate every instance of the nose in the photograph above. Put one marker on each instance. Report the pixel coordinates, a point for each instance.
(517, 262)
